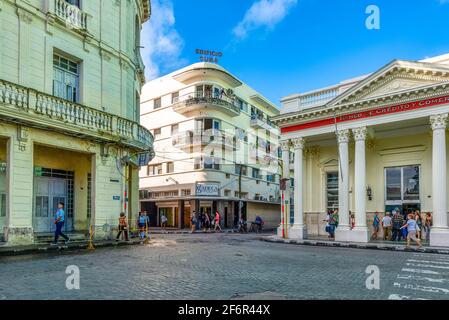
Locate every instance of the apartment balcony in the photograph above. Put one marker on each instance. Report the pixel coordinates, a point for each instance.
(259, 123)
(70, 14)
(44, 111)
(197, 102)
(187, 139)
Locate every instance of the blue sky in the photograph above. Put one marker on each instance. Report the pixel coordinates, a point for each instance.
(282, 47)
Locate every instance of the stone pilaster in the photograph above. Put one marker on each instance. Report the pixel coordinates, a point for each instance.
(342, 232)
(360, 233)
(439, 235)
(298, 230)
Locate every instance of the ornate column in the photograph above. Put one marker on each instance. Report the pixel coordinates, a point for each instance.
(298, 230)
(285, 147)
(342, 232)
(360, 232)
(439, 235)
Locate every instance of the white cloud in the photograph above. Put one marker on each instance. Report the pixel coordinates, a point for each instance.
(263, 13)
(162, 42)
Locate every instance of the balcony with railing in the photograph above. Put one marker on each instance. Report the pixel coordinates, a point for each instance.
(70, 14)
(259, 122)
(200, 101)
(318, 98)
(190, 138)
(41, 110)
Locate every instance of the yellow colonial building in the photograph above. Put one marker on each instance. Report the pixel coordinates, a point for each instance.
(373, 143)
(70, 81)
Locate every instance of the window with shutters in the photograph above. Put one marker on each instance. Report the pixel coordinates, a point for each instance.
(65, 78)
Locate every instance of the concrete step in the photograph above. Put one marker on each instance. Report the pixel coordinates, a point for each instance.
(48, 238)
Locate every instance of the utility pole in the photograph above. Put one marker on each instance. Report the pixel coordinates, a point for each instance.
(240, 191)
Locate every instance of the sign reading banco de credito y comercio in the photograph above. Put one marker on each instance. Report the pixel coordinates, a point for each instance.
(207, 189)
(408, 106)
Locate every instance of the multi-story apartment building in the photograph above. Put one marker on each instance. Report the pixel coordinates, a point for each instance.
(376, 143)
(70, 80)
(216, 148)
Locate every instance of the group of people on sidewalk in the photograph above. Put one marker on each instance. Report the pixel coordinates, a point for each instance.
(396, 226)
(143, 222)
(205, 222)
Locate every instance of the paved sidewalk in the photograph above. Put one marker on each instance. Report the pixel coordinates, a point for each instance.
(82, 244)
(72, 246)
(371, 245)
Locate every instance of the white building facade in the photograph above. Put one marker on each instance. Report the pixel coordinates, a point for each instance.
(70, 80)
(370, 144)
(216, 149)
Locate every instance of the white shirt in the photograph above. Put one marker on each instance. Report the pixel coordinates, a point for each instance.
(386, 221)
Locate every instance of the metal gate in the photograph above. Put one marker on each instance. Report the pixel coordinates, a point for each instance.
(48, 193)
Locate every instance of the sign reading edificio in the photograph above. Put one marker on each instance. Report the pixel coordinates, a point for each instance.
(207, 189)
(209, 56)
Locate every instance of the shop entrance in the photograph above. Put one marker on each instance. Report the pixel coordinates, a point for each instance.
(171, 214)
(187, 217)
(54, 187)
(402, 188)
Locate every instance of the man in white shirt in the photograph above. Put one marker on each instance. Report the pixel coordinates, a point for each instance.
(387, 226)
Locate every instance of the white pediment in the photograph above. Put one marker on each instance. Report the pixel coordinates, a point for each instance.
(396, 77)
(397, 85)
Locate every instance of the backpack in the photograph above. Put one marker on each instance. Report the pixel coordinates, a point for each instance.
(397, 223)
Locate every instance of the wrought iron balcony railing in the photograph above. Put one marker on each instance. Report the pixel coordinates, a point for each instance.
(38, 109)
(71, 14)
(194, 101)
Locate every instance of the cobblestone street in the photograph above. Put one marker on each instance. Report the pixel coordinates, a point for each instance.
(225, 266)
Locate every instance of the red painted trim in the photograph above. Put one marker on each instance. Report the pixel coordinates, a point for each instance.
(421, 104)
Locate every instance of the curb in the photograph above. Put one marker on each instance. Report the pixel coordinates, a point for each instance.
(38, 249)
(351, 245)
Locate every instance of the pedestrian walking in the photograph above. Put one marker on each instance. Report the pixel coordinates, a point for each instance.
(193, 222)
(351, 220)
(331, 224)
(242, 225)
(142, 224)
(164, 222)
(59, 222)
(122, 227)
(412, 229)
(376, 223)
(419, 222)
(398, 222)
(428, 225)
(207, 222)
(387, 224)
(217, 221)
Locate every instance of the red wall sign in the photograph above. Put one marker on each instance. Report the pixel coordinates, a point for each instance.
(368, 114)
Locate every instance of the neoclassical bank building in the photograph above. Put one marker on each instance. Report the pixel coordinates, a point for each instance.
(376, 143)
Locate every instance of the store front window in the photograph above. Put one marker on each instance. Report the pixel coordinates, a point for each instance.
(402, 188)
(332, 190)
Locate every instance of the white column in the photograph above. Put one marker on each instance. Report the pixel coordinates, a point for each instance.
(19, 228)
(342, 232)
(298, 230)
(285, 147)
(439, 235)
(360, 232)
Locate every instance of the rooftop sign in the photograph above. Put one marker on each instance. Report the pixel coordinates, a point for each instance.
(209, 56)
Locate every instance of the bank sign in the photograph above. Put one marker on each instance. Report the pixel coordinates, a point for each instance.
(409, 106)
(207, 189)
